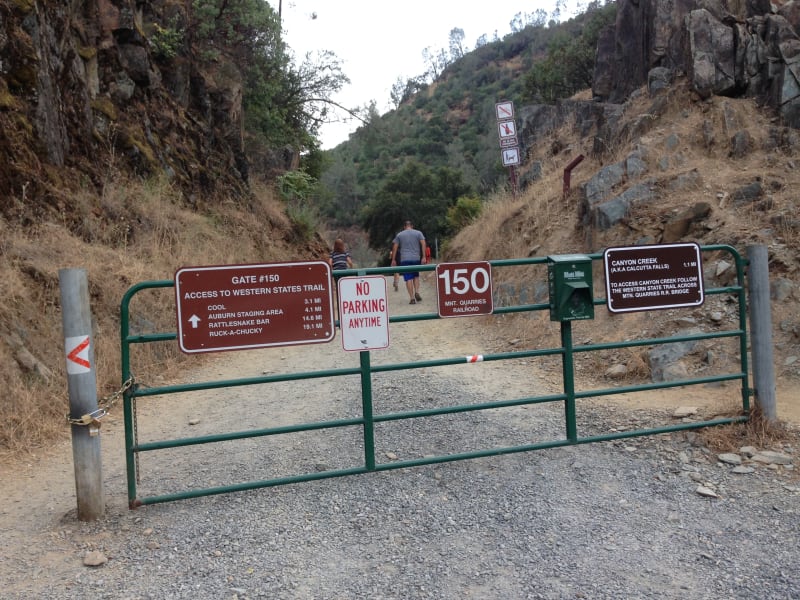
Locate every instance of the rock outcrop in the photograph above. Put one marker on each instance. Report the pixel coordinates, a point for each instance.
(725, 48)
(711, 48)
(86, 87)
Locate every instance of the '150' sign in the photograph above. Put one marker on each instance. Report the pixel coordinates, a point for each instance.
(464, 289)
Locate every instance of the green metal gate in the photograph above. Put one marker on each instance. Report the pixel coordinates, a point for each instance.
(509, 302)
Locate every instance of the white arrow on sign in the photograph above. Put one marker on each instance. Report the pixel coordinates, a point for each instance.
(194, 320)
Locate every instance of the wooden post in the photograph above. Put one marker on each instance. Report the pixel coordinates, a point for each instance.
(761, 331)
(512, 172)
(82, 384)
(568, 175)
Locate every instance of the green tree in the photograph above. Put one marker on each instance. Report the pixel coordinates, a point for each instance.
(569, 65)
(403, 91)
(415, 192)
(430, 58)
(315, 161)
(284, 103)
(345, 196)
(289, 106)
(457, 49)
(299, 191)
(296, 186)
(517, 23)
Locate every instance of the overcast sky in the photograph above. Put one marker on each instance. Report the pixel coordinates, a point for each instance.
(378, 41)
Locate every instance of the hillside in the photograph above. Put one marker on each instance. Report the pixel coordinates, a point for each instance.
(154, 232)
(689, 132)
(703, 190)
(125, 151)
(446, 121)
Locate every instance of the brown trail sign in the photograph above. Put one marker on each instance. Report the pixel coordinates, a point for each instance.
(238, 307)
(653, 277)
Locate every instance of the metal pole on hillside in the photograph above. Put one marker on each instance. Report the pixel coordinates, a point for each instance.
(761, 331)
(82, 384)
(513, 176)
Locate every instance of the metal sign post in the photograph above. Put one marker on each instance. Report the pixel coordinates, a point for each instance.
(761, 326)
(82, 383)
(507, 132)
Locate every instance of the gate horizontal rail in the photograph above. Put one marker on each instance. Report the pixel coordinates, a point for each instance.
(367, 421)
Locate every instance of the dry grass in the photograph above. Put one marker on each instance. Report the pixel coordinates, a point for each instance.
(637, 364)
(134, 231)
(757, 431)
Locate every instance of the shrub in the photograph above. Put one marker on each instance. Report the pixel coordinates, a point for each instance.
(463, 212)
(166, 41)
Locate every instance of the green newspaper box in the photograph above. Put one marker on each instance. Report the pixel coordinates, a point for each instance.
(570, 280)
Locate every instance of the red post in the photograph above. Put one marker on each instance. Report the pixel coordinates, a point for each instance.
(512, 173)
(567, 172)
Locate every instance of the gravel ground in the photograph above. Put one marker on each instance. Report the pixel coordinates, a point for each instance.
(612, 520)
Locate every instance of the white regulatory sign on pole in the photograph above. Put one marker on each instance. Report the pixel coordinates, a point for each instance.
(507, 129)
(364, 313)
(504, 110)
(510, 156)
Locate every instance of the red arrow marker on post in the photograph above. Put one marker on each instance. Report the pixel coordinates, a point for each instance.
(80, 363)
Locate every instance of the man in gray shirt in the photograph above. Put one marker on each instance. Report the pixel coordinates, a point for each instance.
(408, 248)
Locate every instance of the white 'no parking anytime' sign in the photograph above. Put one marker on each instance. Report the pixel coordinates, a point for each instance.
(364, 313)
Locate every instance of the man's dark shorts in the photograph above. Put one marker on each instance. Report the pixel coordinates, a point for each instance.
(409, 275)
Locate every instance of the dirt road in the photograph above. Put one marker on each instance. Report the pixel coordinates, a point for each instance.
(38, 512)
(43, 545)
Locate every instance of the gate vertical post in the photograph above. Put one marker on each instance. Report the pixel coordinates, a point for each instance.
(82, 385)
(366, 411)
(761, 328)
(568, 375)
(127, 397)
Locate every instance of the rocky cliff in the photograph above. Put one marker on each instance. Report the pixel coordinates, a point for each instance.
(735, 48)
(708, 48)
(88, 86)
(741, 48)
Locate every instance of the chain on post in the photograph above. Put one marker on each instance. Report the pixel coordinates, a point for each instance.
(92, 419)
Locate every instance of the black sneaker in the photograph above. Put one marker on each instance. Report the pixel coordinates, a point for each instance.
(417, 297)
(413, 301)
